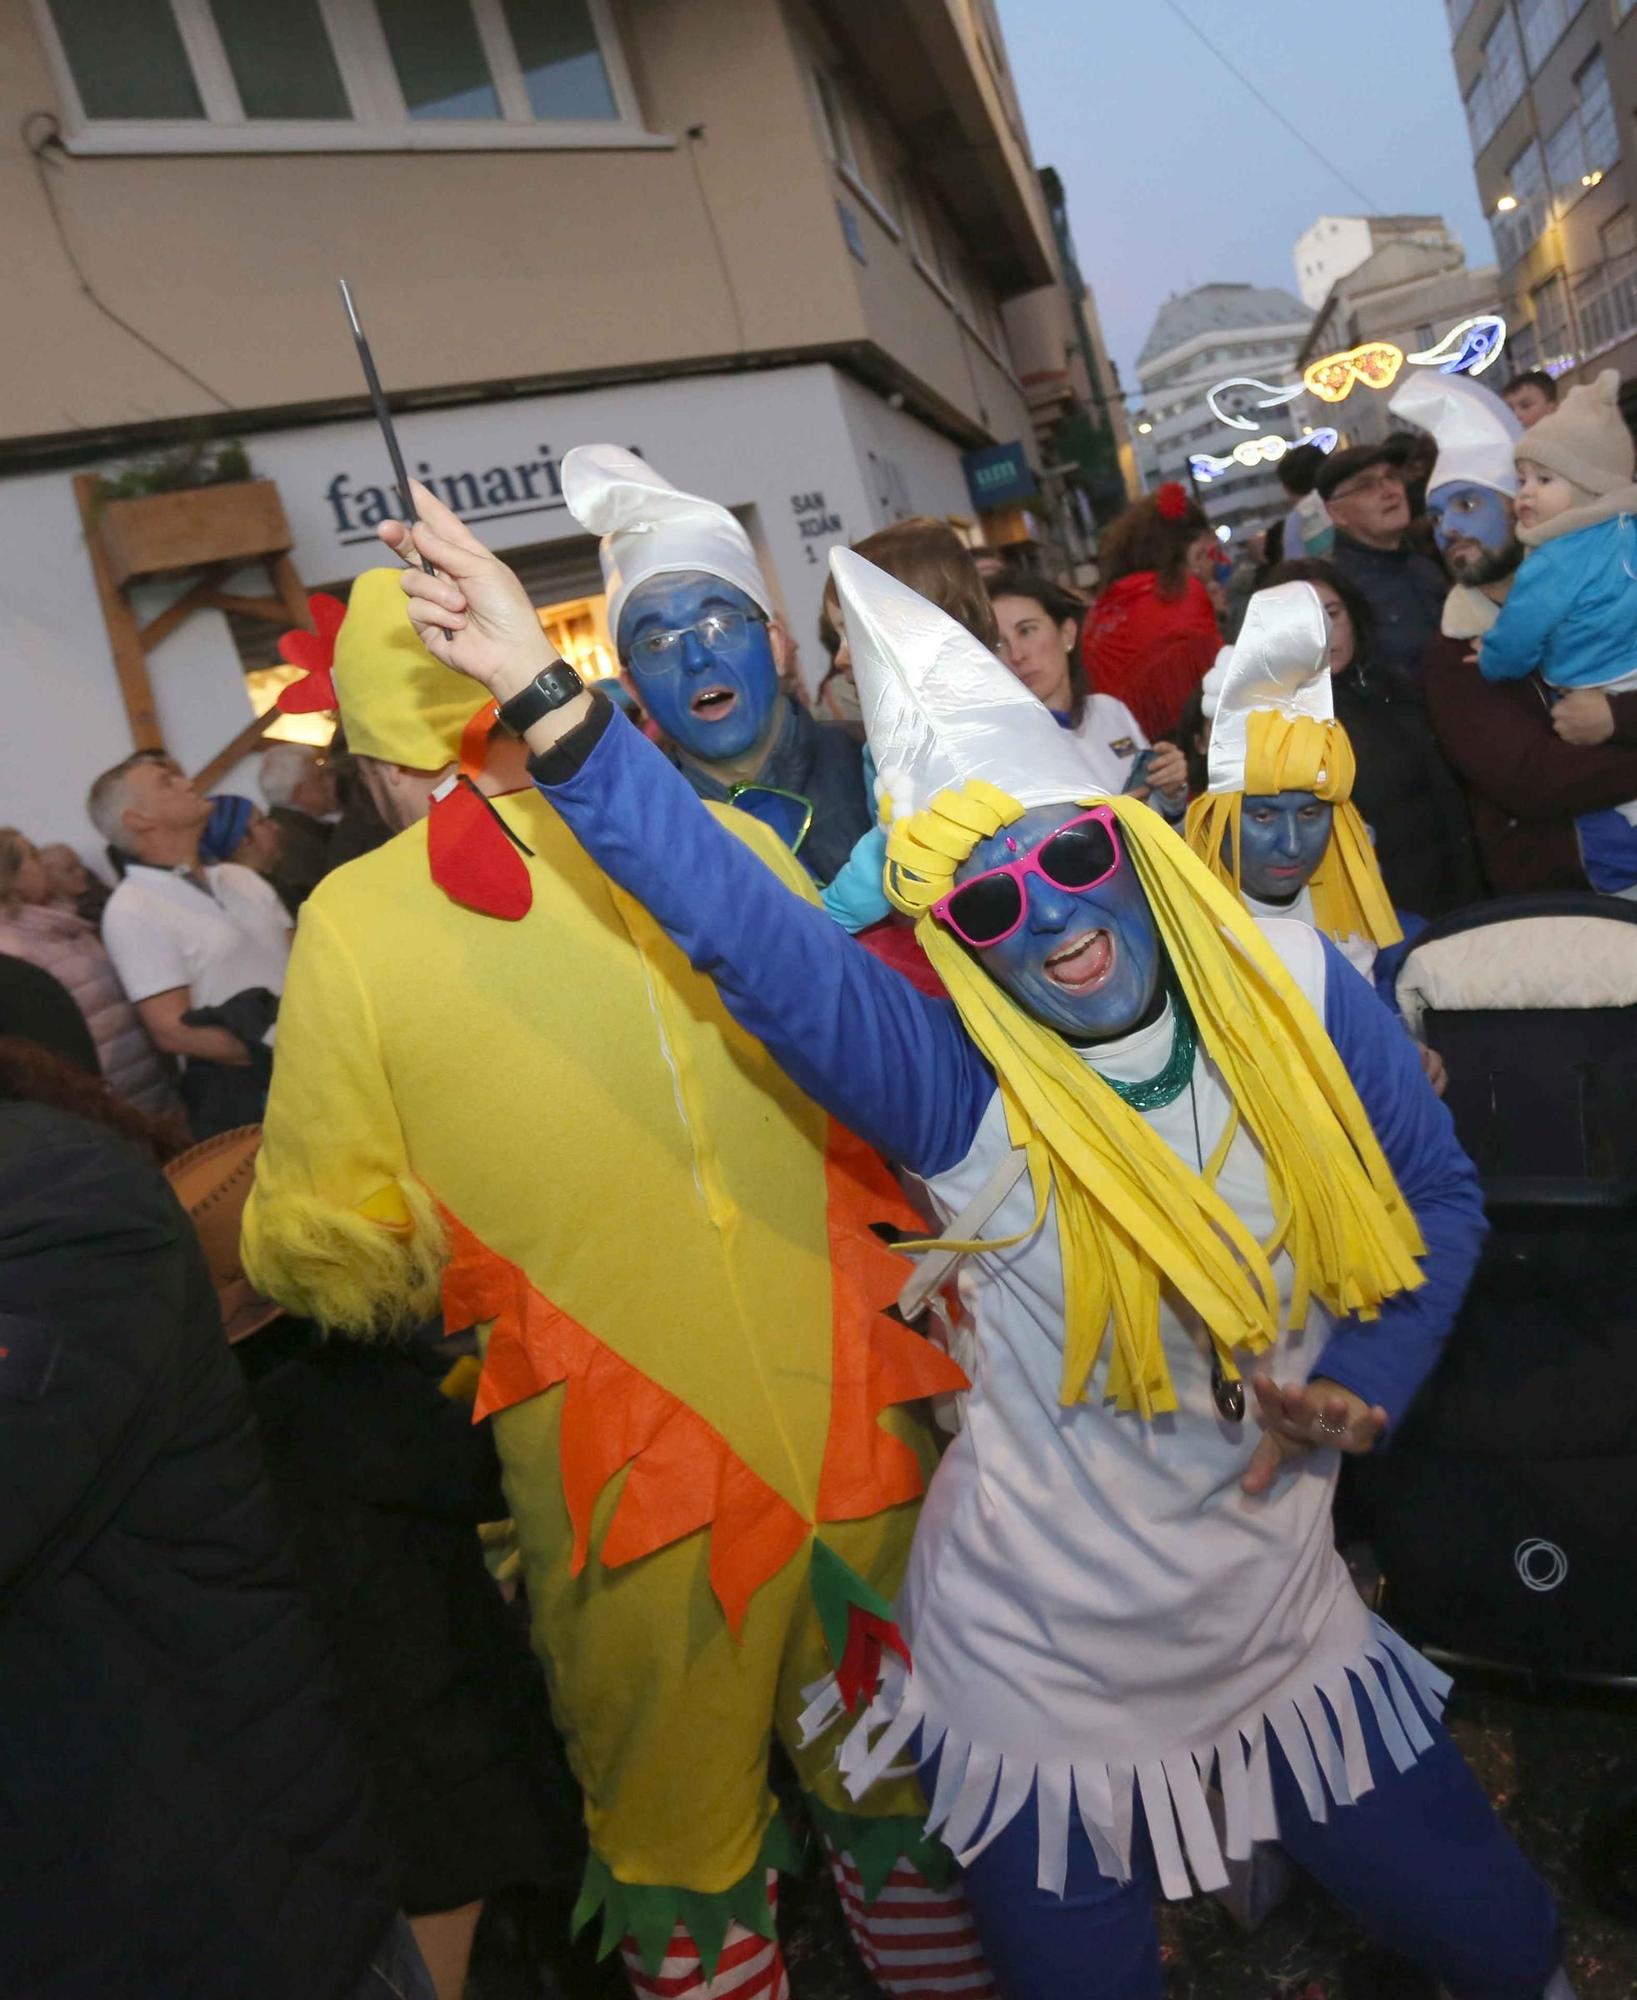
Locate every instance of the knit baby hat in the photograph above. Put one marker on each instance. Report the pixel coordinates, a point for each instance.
(1585, 439)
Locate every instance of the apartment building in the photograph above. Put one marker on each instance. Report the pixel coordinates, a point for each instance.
(771, 244)
(1550, 89)
(1336, 244)
(1212, 335)
(1411, 292)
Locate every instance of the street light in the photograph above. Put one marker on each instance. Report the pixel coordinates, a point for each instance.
(1506, 204)
(1143, 429)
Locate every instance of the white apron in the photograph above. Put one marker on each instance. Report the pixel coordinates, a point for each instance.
(1092, 1606)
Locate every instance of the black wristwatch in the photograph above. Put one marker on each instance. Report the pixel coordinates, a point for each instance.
(553, 687)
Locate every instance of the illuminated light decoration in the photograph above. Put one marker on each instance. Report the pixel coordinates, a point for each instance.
(1375, 364)
(1206, 466)
(1467, 349)
(1236, 420)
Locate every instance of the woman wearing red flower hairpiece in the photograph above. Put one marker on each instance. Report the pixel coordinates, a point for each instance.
(1152, 633)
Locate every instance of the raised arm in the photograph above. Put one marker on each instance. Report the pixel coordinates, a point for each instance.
(891, 1064)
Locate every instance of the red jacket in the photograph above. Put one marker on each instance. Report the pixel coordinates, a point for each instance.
(1524, 784)
(1150, 651)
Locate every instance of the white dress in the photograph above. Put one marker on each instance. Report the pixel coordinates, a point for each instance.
(1092, 1605)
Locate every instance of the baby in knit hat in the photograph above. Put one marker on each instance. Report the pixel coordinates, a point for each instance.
(1571, 615)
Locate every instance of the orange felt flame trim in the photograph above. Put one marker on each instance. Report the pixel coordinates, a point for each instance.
(681, 1475)
(877, 1361)
(314, 653)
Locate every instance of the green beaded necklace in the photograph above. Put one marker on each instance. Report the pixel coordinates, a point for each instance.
(1168, 1083)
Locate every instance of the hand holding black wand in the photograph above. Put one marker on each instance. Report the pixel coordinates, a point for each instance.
(383, 416)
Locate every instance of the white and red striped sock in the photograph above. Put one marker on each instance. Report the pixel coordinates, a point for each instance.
(914, 1939)
(750, 1967)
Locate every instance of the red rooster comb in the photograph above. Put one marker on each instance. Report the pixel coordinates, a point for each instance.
(314, 653)
(1171, 501)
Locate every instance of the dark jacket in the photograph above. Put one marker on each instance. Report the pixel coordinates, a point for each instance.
(383, 1481)
(304, 855)
(1405, 591)
(1524, 784)
(1406, 793)
(180, 1815)
(824, 764)
(37, 1008)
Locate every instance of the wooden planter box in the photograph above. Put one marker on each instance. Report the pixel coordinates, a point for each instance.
(164, 533)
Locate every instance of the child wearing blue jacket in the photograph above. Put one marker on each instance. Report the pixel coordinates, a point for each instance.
(1571, 616)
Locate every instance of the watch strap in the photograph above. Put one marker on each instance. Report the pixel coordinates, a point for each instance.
(553, 687)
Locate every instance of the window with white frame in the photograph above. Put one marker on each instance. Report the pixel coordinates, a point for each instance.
(1503, 64)
(855, 149)
(1587, 142)
(1543, 22)
(204, 75)
(1551, 317)
(1517, 228)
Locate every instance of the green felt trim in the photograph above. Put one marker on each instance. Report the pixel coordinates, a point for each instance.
(878, 1844)
(649, 1913)
(836, 1588)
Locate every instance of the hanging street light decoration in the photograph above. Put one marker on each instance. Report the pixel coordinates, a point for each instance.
(1251, 452)
(1375, 364)
(1467, 349)
(1270, 400)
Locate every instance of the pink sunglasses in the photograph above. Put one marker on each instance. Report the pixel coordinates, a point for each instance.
(988, 908)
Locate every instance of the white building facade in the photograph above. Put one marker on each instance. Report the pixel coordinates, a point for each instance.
(1220, 334)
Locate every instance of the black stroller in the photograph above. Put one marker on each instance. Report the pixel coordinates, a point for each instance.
(1505, 1516)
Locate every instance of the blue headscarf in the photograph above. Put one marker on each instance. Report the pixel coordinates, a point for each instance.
(228, 823)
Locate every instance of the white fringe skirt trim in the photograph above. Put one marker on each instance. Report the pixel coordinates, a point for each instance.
(980, 1790)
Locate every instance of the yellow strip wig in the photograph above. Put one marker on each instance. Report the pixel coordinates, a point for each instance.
(1131, 1217)
(1298, 754)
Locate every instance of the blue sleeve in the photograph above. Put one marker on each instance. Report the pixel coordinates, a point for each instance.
(893, 1065)
(1515, 646)
(1390, 959)
(1386, 1360)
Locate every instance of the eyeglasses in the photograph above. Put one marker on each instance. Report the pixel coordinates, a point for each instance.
(718, 632)
(789, 814)
(988, 908)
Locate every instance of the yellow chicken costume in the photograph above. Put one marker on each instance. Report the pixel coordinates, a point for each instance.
(697, 1398)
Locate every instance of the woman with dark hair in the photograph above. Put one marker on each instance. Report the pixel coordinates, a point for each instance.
(1405, 791)
(1152, 633)
(1038, 639)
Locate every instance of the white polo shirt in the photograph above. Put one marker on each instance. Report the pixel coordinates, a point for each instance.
(164, 930)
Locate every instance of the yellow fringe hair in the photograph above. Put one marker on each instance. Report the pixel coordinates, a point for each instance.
(1288, 754)
(1131, 1216)
(361, 1271)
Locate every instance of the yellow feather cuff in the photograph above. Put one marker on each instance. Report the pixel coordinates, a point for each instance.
(360, 1271)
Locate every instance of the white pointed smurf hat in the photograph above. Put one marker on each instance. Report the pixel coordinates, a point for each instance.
(1280, 661)
(650, 527)
(1474, 430)
(938, 707)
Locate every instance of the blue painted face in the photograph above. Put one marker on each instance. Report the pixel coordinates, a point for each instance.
(1282, 838)
(1085, 962)
(713, 701)
(1473, 526)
